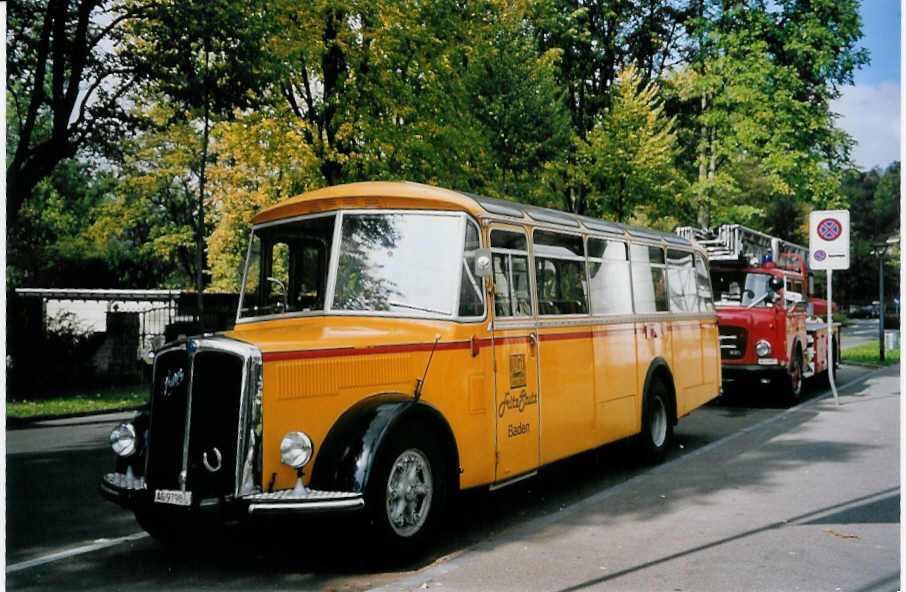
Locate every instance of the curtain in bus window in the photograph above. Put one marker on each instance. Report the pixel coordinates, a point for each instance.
(703, 283)
(681, 282)
(609, 280)
(648, 281)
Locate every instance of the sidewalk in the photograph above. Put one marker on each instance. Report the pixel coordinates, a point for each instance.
(807, 500)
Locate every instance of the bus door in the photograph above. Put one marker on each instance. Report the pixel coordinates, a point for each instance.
(515, 356)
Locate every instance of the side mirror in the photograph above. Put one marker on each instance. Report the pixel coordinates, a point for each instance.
(483, 265)
(776, 284)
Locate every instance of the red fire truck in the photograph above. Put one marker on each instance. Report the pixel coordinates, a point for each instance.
(769, 331)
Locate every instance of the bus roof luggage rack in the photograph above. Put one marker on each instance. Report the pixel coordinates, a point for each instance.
(736, 243)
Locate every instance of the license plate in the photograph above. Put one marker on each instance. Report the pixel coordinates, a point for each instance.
(169, 496)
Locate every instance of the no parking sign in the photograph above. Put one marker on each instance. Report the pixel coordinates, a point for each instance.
(828, 243)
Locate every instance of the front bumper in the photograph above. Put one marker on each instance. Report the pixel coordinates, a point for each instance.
(132, 492)
(753, 373)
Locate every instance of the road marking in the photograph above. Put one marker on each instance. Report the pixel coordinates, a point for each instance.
(95, 546)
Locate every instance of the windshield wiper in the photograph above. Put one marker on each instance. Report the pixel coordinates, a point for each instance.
(414, 307)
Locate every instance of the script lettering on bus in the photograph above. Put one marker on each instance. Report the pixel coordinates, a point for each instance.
(516, 402)
(517, 430)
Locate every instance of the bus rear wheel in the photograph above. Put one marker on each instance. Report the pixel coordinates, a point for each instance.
(657, 424)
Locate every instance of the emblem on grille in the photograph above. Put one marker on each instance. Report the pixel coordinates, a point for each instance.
(217, 458)
(173, 380)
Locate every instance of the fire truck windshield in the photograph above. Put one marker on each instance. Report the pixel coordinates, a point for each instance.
(740, 288)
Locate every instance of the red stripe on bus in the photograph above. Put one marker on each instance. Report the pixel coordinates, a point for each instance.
(427, 347)
(367, 351)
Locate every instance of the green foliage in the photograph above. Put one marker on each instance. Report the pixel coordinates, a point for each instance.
(759, 83)
(657, 112)
(873, 199)
(626, 161)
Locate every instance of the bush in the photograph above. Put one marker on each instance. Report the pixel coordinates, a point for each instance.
(60, 357)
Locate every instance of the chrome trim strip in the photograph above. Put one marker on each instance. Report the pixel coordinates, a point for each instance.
(184, 474)
(317, 506)
(516, 479)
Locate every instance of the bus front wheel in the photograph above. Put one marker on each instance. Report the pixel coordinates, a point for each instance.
(407, 492)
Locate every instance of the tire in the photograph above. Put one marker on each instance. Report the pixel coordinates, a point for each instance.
(794, 393)
(657, 425)
(407, 493)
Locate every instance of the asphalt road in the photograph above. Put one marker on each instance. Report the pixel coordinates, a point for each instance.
(62, 535)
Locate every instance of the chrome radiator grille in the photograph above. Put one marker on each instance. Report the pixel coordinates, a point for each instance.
(202, 402)
(732, 342)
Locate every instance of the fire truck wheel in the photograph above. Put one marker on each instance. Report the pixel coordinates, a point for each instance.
(657, 426)
(407, 492)
(795, 392)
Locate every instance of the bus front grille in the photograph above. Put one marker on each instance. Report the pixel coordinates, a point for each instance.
(194, 429)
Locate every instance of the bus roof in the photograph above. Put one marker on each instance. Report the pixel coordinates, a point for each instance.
(405, 195)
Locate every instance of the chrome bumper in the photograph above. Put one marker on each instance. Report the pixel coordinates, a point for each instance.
(304, 500)
(129, 491)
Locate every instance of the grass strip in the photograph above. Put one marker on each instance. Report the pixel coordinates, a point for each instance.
(85, 402)
(869, 353)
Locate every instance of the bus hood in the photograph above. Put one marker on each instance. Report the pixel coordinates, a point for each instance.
(338, 335)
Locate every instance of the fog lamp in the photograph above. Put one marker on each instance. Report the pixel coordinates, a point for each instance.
(296, 449)
(763, 348)
(122, 439)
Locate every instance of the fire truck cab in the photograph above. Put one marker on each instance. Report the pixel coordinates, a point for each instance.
(769, 331)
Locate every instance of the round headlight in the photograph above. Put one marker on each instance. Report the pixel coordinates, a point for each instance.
(122, 439)
(296, 449)
(763, 348)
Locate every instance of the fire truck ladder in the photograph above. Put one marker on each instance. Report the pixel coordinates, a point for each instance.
(736, 243)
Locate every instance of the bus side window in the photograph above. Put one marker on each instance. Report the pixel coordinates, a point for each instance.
(560, 273)
(471, 288)
(513, 297)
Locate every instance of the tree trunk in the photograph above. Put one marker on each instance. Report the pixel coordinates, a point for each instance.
(199, 231)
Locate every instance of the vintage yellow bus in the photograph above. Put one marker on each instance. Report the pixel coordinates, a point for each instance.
(398, 342)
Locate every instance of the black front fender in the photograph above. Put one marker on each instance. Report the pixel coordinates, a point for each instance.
(345, 460)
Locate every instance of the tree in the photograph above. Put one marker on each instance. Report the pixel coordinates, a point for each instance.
(65, 90)
(519, 109)
(204, 57)
(627, 157)
(760, 82)
(873, 199)
(151, 211)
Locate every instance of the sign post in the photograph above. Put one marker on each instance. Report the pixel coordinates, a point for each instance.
(828, 248)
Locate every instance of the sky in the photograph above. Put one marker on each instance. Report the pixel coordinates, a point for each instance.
(870, 109)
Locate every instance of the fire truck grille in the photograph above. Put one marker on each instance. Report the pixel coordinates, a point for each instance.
(732, 342)
(195, 429)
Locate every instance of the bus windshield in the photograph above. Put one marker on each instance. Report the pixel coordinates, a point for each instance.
(411, 264)
(738, 288)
